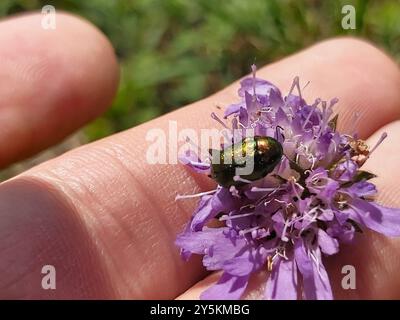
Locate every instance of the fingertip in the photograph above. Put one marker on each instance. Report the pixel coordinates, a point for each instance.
(91, 69)
(52, 81)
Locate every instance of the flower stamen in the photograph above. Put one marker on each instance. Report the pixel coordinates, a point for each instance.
(216, 118)
(381, 139)
(196, 195)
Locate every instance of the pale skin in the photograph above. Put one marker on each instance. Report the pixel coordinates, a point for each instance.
(104, 217)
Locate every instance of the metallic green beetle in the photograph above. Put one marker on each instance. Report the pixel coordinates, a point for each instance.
(266, 152)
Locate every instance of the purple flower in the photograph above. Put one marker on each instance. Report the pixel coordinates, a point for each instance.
(316, 198)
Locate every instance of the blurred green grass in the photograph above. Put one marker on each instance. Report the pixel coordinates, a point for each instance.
(173, 52)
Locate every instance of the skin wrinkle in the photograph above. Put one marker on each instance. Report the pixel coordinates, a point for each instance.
(187, 176)
(101, 245)
(140, 188)
(95, 176)
(370, 263)
(94, 241)
(52, 199)
(377, 265)
(390, 195)
(72, 193)
(109, 160)
(35, 232)
(117, 151)
(17, 278)
(163, 221)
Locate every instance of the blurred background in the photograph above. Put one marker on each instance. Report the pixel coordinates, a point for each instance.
(173, 52)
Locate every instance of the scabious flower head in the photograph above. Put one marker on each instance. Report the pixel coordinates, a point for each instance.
(316, 198)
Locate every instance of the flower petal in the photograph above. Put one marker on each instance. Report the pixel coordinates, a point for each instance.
(362, 189)
(315, 279)
(199, 242)
(243, 117)
(226, 246)
(327, 244)
(227, 288)
(344, 232)
(203, 213)
(246, 262)
(263, 87)
(376, 217)
(345, 171)
(210, 206)
(282, 283)
(275, 98)
(233, 108)
(190, 159)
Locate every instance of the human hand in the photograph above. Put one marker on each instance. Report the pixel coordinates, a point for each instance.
(105, 218)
